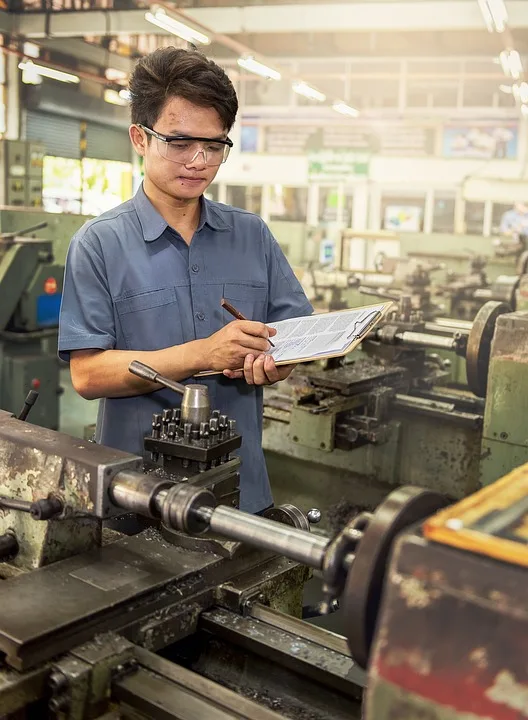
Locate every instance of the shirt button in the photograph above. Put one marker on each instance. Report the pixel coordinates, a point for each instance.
(200, 316)
(195, 268)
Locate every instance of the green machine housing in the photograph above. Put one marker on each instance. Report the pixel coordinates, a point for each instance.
(30, 296)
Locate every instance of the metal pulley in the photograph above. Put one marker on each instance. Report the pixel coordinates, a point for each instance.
(362, 595)
(479, 345)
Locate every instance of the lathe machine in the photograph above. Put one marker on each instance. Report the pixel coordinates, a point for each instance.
(30, 296)
(195, 616)
(385, 417)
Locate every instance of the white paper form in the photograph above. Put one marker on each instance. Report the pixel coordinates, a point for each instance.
(317, 335)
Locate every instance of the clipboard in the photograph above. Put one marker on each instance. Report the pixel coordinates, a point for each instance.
(362, 320)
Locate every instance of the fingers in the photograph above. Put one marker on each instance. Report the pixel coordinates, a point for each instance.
(250, 327)
(271, 371)
(259, 374)
(248, 369)
(260, 370)
(234, 374)
(254, 345)
(257, 329)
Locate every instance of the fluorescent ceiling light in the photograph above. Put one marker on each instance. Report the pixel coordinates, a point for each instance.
(511, 63)
(125, 95)
(345, 109)
(114, 98)
(495, 14)
(524, 110)
(302, 88)
(32, 68)
(254, 66)
(31, 50)
(158, 16)
(521, 92)
(115, 75)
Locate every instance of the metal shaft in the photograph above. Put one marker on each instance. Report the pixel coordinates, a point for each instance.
(15, 504)
(138, 493)
(449, 325)
(418, 339)
(298, 545)
(148, 495)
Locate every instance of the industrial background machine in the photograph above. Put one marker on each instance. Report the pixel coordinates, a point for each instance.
(30, 296)
(197, 615)
(388, 416)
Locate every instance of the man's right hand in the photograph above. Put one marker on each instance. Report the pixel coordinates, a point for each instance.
(227, 348)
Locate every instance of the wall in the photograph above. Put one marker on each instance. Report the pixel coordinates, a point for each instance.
(504, 181)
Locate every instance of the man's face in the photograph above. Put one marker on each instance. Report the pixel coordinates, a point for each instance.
(183, 181)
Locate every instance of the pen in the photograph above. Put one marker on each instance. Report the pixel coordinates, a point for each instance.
(238, 315)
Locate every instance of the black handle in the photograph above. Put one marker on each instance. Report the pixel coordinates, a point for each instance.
(30, 400)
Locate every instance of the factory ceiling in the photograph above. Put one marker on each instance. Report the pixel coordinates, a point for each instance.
(439, 42)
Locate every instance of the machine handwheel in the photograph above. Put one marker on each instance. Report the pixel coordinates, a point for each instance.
(363, 590)
(479, 345)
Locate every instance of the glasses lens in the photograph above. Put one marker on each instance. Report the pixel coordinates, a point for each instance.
(185, 151)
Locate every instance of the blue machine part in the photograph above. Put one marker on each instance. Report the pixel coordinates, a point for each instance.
(48, 308)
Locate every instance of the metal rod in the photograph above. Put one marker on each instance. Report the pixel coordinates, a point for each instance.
(378, 292)
(147, 373)
(15, 504)
(418, 339)
(138, 493)
(299, 545)
(453, 323)
(435, 327)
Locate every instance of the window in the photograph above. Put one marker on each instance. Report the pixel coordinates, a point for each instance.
(498, 211)
(288, 203)
(474, 218)
(89, 187)
(402, 214)
(444, 215)
(247, 197)
(328, 202)
(61, 185)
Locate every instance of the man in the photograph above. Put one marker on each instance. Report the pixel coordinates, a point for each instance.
(145, 280)
(515, 221)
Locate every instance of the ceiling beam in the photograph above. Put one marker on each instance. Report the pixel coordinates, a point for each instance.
(76, 24)
(440, 15)
(87, 53)
(7, 22)
(357, 17)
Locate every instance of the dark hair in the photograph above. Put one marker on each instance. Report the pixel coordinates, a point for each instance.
(170, 72)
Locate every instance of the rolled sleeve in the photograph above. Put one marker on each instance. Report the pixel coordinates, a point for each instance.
(286, 297)
(87, 313)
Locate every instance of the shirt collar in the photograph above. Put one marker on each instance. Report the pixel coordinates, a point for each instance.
(154, 225)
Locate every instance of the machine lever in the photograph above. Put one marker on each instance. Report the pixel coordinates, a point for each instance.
(147, 373)
(5, 237)
(42, 509)
(378, 292)
(31, 399)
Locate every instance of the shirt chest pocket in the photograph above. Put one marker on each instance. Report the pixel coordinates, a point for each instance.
(250, 300)
(150, 320)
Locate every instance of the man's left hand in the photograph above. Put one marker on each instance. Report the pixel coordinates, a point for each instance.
(260, 370)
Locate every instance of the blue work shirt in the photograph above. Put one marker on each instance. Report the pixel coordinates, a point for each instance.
(133, 283)
(514, 221)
